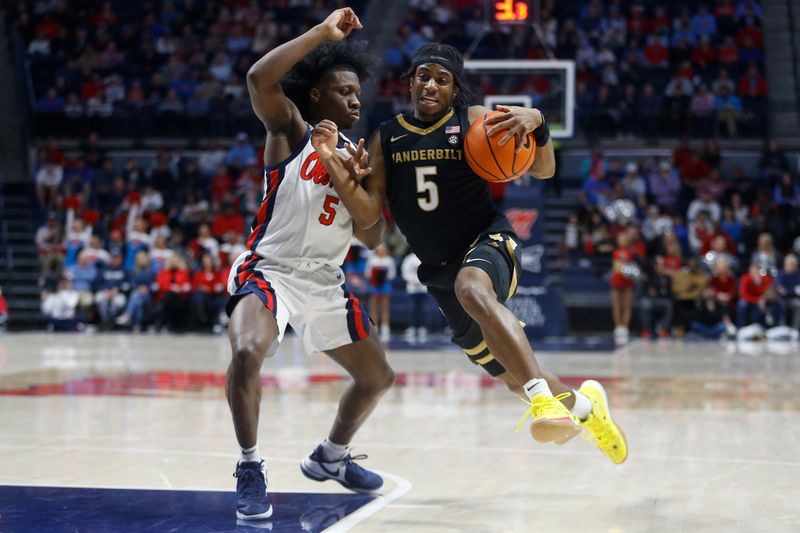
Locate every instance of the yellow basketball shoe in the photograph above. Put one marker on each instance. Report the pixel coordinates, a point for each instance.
(606, 434)
(552, 421)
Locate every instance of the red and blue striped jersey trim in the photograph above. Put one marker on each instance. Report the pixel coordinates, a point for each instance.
(357, 318)
(261, 222)
(274, 175)
(248, 279)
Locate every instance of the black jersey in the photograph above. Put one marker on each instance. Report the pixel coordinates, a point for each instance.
(438, 202)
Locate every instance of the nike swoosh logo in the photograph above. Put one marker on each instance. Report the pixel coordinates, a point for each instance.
(477, 259)
(393, 139)
(331, 472)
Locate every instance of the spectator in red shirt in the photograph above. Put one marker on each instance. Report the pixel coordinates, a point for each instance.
(728, 54)
(724, 284)
(749, 28)
(227, 221)
(754, 297)
(50, 27)
(174, 285)
(656, 52)
(206, 299)
(704, 53)
(753, 84)
(623, 280)
(671, 261)
(694, 170)
(682, 153)
(221, 183)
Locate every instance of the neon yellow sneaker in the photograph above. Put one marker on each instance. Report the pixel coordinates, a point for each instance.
(552, 421)
(606, 434)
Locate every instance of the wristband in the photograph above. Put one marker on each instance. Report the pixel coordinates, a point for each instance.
(541, 134)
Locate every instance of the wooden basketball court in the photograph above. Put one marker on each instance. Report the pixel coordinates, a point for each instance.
(712, 427)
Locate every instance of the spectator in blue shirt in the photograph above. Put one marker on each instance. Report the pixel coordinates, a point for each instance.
(241, 153)
(50, 103)
(683, 32)
(594, 192)
(729, 110)
(730, 225)
(741, 9)
(142, 281)
(703, 23)
(184, 87)
(83, 276)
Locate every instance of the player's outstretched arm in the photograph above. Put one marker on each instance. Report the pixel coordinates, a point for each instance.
(518, 122)
(372, 236)
(360, 179)
(274, 109)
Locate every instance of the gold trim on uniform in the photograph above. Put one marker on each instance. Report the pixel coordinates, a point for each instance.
(424, 131)
(512, 246)
(475, 350)
(484, 360)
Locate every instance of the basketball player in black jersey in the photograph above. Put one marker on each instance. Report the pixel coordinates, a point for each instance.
(468, 250)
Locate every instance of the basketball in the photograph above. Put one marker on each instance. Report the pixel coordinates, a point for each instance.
(492, 162)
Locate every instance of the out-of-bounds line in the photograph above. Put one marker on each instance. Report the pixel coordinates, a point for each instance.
(345, 524)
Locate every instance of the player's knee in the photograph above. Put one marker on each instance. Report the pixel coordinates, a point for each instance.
(389, 379)
(249, 353)
(378, 383)
(475, 299)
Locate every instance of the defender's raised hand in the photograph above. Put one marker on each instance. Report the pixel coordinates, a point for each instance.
(324, 137)
(341, 23)
(356, 165)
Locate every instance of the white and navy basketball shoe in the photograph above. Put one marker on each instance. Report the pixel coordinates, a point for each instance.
(251, 491)
(350, 475)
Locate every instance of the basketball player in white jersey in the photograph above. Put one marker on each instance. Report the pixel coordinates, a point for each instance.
(290, 272)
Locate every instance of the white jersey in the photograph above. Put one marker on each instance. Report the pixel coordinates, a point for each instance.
(301, 217)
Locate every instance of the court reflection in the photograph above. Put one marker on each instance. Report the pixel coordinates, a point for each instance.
(51, 509)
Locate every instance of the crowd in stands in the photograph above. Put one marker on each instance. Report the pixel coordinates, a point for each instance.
(127, 244)
(178, 68)
(130, 244)
(152, 68)
(642, 68)
(706, 254)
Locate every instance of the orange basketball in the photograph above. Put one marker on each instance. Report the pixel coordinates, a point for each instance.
(492, 162)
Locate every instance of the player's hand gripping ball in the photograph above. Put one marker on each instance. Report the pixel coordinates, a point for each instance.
(491, 161)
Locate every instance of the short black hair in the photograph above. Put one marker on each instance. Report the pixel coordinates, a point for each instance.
(464, 96)
(328, 57)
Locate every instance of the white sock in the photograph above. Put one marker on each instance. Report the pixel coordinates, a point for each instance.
(582, 407)
(250, 455)
(332, 451)
(537, 386)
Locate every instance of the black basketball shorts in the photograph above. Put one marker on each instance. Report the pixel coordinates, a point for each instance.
(498, 255)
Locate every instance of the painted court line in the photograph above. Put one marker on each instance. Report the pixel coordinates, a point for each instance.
(380, 502)
(402, 487)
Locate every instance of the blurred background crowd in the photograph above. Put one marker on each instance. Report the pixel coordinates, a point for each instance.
(136, 239)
